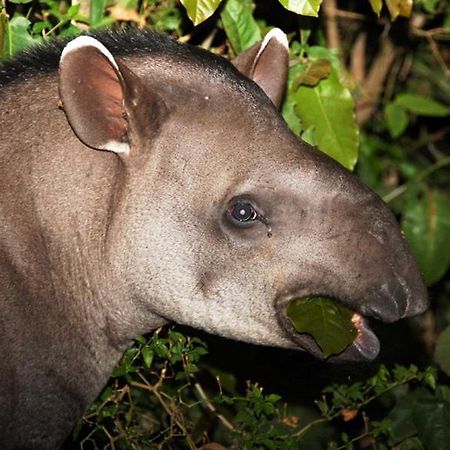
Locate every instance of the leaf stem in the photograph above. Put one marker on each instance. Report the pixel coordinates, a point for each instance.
(59, 24)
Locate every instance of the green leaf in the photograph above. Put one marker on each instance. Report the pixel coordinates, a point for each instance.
(290, 116)
(18, 36)
(273, 398)
(97, 11)
(76, 430)
(432, 417)
(309, 135)
(70, 31)
(289, 104)
(147, 356)
(396, 119)
(327, 321)
(442, 353)
(240, 26)
(140, 339)
(329, 107)
(426, 223)
(199, 10)
(430, 6)
(3, 28)
(411, 444)
(303, 7)
(401, 422)
(430, 380)
(20, 1)
(422, 106)
(376, 6)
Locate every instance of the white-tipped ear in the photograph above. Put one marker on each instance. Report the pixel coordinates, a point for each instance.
(274, 34)
(107, 105)
(92, 91)
(88, 41)
(266, 63)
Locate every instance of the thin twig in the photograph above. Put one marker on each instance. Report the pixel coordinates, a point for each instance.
(432, 35)
(212, 408)
(435, 33)
(331, 24)
(429, 335)
(302, 431)
(358, 58)
(207, 42)
(437, 55)
(349, 15)
(170, 409)
(374, 82)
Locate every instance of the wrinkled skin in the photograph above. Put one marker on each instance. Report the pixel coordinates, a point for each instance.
(100, 246)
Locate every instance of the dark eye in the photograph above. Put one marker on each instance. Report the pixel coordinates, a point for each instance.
(242, 212)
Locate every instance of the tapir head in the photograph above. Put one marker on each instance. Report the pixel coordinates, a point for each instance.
(220, 215)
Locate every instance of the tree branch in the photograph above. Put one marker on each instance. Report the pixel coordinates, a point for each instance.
(372, 86)
(358, 58)
(331, 24)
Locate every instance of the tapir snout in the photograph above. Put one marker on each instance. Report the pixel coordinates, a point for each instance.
(356, 254)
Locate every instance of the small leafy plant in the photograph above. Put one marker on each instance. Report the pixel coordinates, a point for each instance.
(156, 399)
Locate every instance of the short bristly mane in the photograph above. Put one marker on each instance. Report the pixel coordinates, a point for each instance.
(44, 58)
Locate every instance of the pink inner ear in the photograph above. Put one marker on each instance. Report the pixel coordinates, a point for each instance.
(270, 70)
(110, 95)
(92, 95)
(266, 64)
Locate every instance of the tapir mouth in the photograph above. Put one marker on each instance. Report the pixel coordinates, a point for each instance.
(398, 295)
(365, 346)
(377, 304)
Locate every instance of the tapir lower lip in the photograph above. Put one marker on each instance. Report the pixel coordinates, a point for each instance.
(366, 346)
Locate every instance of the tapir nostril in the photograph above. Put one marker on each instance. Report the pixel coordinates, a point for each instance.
(382, 311)
(403, 296)
(386, 303)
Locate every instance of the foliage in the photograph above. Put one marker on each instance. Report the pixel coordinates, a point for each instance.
(156, 399)
(368, 84)
(323, 106)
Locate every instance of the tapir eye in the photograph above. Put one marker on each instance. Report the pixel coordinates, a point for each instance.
(242, 212)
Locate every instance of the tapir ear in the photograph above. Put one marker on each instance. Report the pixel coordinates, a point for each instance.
(100, 96)
(266, 63)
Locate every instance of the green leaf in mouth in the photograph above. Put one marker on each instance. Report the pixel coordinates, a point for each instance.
(327, 321)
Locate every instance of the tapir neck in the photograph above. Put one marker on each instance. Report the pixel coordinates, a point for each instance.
(56, 207)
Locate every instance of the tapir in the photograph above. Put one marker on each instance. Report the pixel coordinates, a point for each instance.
(142, 182)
